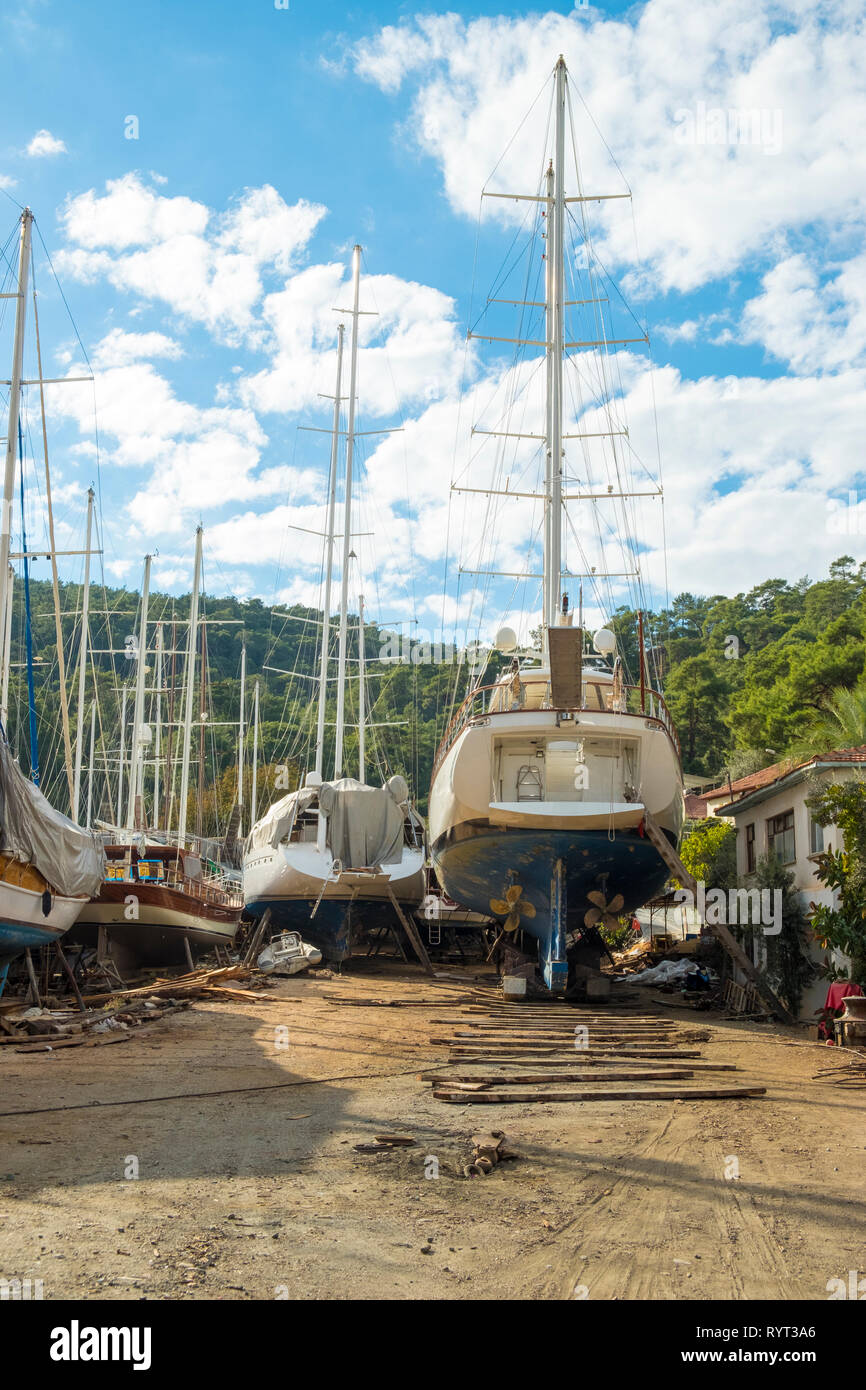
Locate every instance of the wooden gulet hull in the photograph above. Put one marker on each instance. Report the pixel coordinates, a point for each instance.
(147, 923)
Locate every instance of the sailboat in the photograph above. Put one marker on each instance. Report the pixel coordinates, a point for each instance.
(543, 780)
(49, 866)
(160, 897)
(331, 859)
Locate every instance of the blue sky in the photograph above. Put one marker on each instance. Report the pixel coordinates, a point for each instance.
(201, 260)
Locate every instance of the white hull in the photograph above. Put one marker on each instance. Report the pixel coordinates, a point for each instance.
(303, 871)
(23, 923)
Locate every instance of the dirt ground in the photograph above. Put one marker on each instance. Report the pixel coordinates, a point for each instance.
(258, 1193)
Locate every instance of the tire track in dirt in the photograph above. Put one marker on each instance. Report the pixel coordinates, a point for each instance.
(668, 1226)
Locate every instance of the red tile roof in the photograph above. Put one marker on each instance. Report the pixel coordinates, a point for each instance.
(842, 755)
(745, 786)
(751, 783)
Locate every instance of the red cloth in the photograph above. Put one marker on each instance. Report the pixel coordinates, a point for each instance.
(837, 992)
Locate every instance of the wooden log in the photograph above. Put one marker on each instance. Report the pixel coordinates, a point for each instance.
(566, 1077)
(522, 1055)
(258, 936)
(457, 1097)
(69, 975)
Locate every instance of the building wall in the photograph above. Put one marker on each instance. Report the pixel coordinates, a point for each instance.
(793, 798)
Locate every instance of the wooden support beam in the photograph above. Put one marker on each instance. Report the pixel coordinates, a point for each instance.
(258, 936)
(412, 932)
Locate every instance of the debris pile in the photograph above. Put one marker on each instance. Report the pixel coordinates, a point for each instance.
(44, 1030)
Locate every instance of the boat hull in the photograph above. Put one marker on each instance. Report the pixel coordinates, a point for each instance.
(165, 917)
(23, 923)
(480, 866)
(576, 835)
(292, 881)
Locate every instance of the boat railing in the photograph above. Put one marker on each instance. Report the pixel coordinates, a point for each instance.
(517, 698)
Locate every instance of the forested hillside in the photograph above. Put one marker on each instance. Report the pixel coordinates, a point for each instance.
(747, 679)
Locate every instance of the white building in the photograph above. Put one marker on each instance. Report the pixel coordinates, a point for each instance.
(774, 819)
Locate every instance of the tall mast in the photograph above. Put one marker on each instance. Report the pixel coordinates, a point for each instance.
(55, 582)
(362, 712)
(347, 522)
(14, 410)
(253, 795)
(329, 560)
(241, 731)
(157, 733)
(136, 751)
(82, 663)
(89, 821)
(190, 685)
(6, 629)
(555, 339)
(119, 816)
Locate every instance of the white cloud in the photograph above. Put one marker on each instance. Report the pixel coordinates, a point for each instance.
(410, 345)
(119, 349)
(654, 83)
(810, 325)
(209, 269)
(44, 145)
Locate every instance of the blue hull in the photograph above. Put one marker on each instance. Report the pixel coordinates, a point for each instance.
(335, 928)
(556, 869)
(15, 937)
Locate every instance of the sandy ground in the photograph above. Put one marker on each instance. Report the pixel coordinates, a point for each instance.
(259, 1194)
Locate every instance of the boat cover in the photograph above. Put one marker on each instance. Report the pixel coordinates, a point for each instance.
(276, 824)
(365, 824)
(32, 832)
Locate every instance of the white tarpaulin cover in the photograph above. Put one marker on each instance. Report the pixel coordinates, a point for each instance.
(31, 831)
(365, 824)
(276, 824)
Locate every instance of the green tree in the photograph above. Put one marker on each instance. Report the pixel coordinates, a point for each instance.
(843, 927)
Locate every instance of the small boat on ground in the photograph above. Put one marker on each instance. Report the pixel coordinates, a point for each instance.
(287, 954)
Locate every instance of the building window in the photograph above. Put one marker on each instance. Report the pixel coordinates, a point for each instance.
(816, 837)
(750, 848)
(780, 837)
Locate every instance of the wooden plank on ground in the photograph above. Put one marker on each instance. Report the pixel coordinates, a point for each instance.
(458, 1097)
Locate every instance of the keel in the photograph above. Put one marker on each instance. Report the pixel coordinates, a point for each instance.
(554, 965)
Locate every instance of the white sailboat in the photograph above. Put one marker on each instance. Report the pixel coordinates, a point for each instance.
(542, 782)
(49, 866)
(329, 859)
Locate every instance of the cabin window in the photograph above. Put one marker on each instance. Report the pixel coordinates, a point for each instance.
(780, 837)
(750, 848)
(816, 837)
